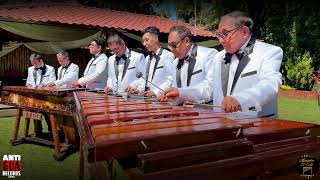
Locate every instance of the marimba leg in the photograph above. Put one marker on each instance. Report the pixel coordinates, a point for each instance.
(26, 127)
(37, 127)
(53, 120)
(17, 124)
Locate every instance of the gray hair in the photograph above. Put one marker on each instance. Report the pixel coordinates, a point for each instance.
(182, 31)
(63, 53)
(241, 19)
(114, 38)
(35, 56)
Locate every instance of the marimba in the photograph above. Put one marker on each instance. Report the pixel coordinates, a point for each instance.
(159, 141)
(31, 102)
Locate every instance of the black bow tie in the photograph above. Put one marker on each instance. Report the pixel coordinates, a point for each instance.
(66, 67)
(41, 68)
(181, 61)
(228, 56)
(185, 59)
(153, 55)
(124, 57)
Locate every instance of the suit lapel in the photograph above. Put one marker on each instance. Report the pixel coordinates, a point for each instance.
(243, 61)
(224, 76)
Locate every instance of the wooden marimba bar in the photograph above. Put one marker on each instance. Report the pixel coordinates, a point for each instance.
(160, 141)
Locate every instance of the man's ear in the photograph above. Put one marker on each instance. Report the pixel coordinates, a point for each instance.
(245, 31)
(187, 40)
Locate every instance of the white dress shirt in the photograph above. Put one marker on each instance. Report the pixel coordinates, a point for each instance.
(67, 75)
(96, 73)
(137, 64)
(36, 79)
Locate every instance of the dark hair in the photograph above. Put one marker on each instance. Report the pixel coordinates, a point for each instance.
(151, 29)
(241, 19)
(100, 42)
(182, 31)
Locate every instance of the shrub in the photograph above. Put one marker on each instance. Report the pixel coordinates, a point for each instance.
(286, 87)
(299, 70)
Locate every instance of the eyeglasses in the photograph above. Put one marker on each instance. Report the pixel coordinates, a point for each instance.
(175, 45)
(224, 35)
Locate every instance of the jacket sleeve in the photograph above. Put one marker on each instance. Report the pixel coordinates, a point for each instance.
(100, 69)
(203, 91)
(29, 78)
(72, 74)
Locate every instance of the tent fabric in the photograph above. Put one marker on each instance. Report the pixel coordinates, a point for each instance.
(49, 33)
(50, 47)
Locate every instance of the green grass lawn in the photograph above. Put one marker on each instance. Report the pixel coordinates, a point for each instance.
(299, 110)
(38, 163)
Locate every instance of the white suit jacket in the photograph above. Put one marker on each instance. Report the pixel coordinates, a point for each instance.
(201, 80)
(68, 75)
(163, 75)
(258, 84)
(96, 73)
(41, 80)
(137, 64)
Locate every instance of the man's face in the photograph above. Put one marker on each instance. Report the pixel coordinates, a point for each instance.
(150, 41)
(231, 37)
(62, 60)
(94, 48)
(117, 48)
(178, 46)
(36, 63)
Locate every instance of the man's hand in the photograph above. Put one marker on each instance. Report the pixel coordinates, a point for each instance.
(51, 84)
(162, 98)
(108, 89)
(132, 90)
(230, 104)
(172, 93)
(75, 83)
(149, 94)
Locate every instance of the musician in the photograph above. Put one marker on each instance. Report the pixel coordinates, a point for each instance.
(253, 79)
(193, 67)
(39, 74)
(123, 66)
(159, 68)
(96, 72)
(67, 72)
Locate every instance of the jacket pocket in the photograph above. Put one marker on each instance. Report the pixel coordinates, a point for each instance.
(159, 67)
(249, 73)
(196, 72)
